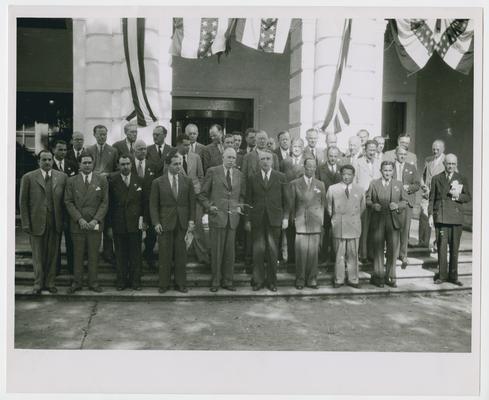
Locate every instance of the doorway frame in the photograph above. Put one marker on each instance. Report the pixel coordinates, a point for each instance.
(410, 100)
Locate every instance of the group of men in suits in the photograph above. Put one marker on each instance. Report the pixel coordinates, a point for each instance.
(298, 203)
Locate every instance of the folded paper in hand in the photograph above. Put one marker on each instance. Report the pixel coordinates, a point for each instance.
(189, 237)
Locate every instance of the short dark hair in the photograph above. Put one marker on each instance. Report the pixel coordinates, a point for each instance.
(60, 141)
(250, 130)
(386, 162)
(401, 135)
(281, 133)
(99, 127)
(85, 154)
(309, 158)
(122, 156)
(171, 155)
(165, 131)
(217, 126)
(182, 136)
(347, 166)
(44, 151)
(228, 136)
(237, 133)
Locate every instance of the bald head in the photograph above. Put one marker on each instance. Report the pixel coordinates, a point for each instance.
(140, 149)
(78, 139)
(450, 163)
(438, 148)
(229, 157)
(331, 139)
(354, 144)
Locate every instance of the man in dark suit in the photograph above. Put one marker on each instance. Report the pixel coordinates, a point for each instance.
(62, 164)
(212, 154)
(222, 197)
(308, 201)
(192, 167)
(126, 222)
(86, 199)
(41, 214)
(267, 192)
(329, 174)
(126, 146)
(104, 163)
(238, 140)
(387, 199)
(172, 208)
(157, 152)
(250, 137)
(449, 192)
(77, 139)
(283, 149)
(345, 204)
(193, 133)
(408, 175)
(147, 172)
(293, 168)
(251, 167)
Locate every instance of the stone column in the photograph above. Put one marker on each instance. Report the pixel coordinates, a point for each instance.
(101, 90)
(301, 93)
(361, 87)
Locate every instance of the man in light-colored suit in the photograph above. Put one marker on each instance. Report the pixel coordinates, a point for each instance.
(311, 150)
(41, 214)
(172, 207)
(193, 133)
(192, 167)
(345, 204)
(380, 147)
(308, 201)
(433, 166)
(86, 199)
(222, 196)
(157, 152)
(126, 146)
(367, 169)
(408, 175)
(387, 199)
(104, 163)
(404, 140)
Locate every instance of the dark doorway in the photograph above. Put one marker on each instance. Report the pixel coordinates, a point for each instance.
(393, 122)
(231, 114)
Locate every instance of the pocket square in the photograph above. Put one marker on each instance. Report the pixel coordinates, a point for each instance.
(138, 189)
(98, 188)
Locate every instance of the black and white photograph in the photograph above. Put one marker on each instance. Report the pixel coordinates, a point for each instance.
(246, 181)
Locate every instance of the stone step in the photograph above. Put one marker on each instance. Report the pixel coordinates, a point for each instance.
(24, 264)
(413, 286)
(196, 279)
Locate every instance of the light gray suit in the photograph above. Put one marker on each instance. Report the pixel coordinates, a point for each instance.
(41, 214)
(345, 212)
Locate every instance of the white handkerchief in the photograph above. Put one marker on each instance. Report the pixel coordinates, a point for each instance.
(98, 188)
(205, 219)
(138, 189)
(97, 227)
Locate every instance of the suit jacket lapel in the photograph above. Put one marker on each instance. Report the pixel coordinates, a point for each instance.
(40, 179)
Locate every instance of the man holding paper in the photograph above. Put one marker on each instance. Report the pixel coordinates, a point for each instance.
(172, 209)
(86, 200)
(449, 191)
(126, 222)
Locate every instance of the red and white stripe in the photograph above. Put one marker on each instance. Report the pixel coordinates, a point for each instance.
(265, 34)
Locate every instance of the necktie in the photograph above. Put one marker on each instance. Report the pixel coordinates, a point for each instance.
(347, 192)
(131, 150)
(266, 180)
(185, 166)
(228, 179)
(46, 177)
(77, 154)
(159, 150)
(174, 188)
(140, 169)
(86, 181)
(126, 180)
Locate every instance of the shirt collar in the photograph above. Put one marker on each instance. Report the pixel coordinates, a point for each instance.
(89, 176)
(265, 174)
(44, 173)
(384, 182)
(128, 143)
(128, 176)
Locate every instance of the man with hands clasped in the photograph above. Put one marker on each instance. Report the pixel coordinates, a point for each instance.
(387, 199)
(172, 209)
(449, 191)
(267, 192)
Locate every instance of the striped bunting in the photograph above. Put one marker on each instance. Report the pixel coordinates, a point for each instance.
(133, 37)
(456, 44)
(264, 34)
(337, 114)
(199, 37)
